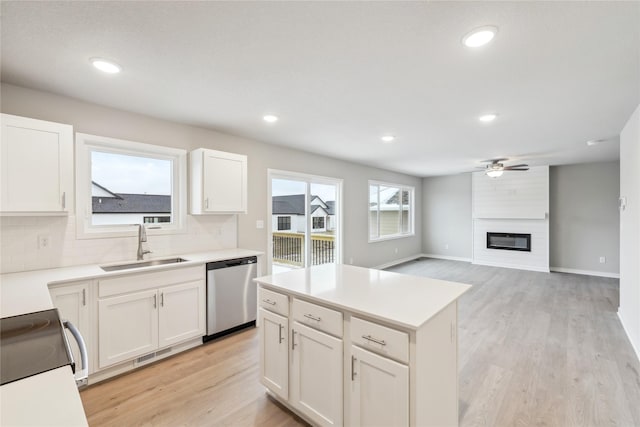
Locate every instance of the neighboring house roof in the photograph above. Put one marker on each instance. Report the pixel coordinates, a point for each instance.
(314, 208)
(294, 205)
(331, 207)
(132, 203)
(128, 203)
(99, 191)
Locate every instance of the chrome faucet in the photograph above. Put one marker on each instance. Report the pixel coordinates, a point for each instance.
(142, 237)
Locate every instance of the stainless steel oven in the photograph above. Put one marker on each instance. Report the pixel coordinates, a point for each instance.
(34, 343)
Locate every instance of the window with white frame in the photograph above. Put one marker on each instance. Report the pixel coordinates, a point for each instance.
(121, 183)
(391, 211)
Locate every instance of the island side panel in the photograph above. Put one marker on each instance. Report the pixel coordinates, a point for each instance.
(434, 382)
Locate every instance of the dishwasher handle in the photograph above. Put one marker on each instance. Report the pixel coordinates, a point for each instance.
(231, 263)
(82, 376)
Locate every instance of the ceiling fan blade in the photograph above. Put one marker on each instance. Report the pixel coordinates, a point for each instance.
(516, 169)
(493, 160)
(517, 166)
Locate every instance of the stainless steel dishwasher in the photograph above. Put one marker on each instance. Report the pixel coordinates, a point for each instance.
(231, 296)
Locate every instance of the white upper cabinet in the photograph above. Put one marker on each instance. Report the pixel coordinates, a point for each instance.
(36, 159)
(218, 182)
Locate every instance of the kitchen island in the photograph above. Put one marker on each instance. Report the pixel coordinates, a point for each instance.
(345, 345)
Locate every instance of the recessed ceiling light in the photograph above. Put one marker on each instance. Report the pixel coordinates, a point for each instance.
(270, 118)
(486, 118)
(106, 66)
(388, 138)
(480, 36)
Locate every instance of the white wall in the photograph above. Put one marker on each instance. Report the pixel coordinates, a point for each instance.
(20, 251)
(584, 222)
(629, 310)
(446, 216)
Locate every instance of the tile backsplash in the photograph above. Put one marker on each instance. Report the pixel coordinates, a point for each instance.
(19, 238)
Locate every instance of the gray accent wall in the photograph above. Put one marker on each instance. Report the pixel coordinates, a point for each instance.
(446, 216)
(583, 218)
(104, 121)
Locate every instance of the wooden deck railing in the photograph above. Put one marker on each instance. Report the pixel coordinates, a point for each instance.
(288, 248)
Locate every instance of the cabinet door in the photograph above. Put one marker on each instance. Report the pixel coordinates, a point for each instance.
(37, 165)
(379, 390)
(316, 375)
(72, 303)
(274, 352)
(225, 182)
(127, 326)
(182, 313)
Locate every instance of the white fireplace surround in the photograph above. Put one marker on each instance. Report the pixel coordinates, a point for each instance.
(516, 202)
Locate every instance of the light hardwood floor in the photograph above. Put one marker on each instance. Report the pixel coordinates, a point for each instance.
(535, 349)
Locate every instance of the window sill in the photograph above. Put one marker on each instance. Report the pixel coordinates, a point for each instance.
(392, 237)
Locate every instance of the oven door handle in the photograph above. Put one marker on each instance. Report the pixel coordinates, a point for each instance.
(82, 376)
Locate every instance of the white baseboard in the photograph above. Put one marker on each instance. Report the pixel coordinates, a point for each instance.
(626, 331)
(513, 266)
(585, 272)
(396, 262)
(447, 257)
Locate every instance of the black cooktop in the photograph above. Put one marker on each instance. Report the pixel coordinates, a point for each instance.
(31, 344)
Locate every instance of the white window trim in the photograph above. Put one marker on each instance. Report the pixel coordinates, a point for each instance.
(85, 143)
(412, 209)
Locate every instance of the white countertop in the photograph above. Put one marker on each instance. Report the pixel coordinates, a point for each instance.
(400, 299)
(54, 393)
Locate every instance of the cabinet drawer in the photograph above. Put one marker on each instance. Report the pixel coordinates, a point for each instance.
(380, 339)
(152, 280)
(318, 317)
(273, 301)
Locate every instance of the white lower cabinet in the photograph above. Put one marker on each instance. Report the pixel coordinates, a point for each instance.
(72, 302)
(127, 326)
(178, 318)
(379, 392)
(316, 375)
(274, 352)
(138, 323)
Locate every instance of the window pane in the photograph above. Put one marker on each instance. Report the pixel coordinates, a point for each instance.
(373, 211)
(406, 217)
(127, 189)
(389, 211)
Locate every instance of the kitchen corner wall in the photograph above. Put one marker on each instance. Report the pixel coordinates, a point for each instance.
(19, 235)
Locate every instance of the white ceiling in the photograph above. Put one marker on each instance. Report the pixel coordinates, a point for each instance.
(342, 74)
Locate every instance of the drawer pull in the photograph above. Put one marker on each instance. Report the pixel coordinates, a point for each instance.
(377, 341)
(268, 301)
(309, 316)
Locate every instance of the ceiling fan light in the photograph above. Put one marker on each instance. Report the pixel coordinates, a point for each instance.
(494, 173)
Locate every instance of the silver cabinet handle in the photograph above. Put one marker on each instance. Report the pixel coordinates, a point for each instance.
(377, 341)
(268, 301)
(84, 297)
(155, 301)
(293, 339)
(162, 299)
(280, 333)
(309, 316)
(64, 200)
(353, 368)
(82, 376)
(206, 203)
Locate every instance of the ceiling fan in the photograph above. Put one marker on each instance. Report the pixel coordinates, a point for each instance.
(496, 168)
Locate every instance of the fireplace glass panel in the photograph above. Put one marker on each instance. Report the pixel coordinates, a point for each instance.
(509, 241)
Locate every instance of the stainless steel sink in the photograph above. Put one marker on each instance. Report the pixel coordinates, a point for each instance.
(140, 264)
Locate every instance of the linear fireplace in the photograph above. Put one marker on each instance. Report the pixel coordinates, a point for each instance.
(509, 241)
